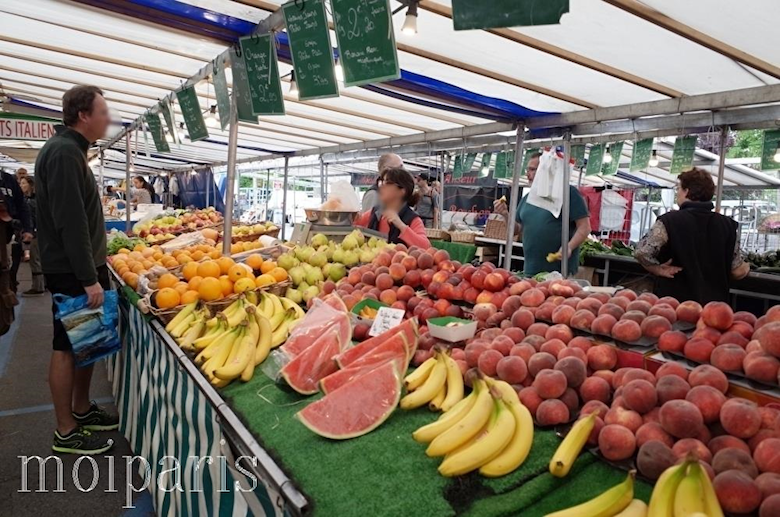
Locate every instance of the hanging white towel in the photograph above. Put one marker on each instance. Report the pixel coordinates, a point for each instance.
(547, 188)
(159, 186)
(173, 186)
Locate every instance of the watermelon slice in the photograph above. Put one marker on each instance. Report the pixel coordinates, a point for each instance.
(335, 301)
(337, 379)
(393, 348)
(318, 320)
(304, 372)
(357, 407)
(408, 327)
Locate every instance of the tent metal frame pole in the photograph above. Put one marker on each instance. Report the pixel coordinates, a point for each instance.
(721, 167)
(327, 182)
(128, 207)
(565, 208)
(227, 232)
(322, 180)
(441, 191)
(513, 201)
(284, 197)
(100, 171)
(208, 191)
(267, 193)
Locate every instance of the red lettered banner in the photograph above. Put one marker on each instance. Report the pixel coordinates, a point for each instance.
(20, 129)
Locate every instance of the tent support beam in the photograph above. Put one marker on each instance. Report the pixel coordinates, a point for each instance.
(566, 207)
(128, 208)
(517, 170)
(227, 232)
(724, 131)
(284, 197)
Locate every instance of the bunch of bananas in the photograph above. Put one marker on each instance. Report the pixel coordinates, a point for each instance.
(684, 490)
(438, 382)
(368, 312)
(571, 446)
(232, 343)
(618, 501)
(489, 430)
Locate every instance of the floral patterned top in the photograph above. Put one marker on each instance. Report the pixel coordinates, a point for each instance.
(650, 246)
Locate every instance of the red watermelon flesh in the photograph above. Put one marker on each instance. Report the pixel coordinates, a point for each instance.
(304, 372)
(319, 319)
(336, 302)
(344, 326)
(408, 327)
(337, 379)
(356, 408)
(394, 348)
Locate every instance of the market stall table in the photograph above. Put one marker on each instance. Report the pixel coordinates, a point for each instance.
(460, 251)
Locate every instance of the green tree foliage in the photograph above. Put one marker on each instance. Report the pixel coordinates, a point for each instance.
(748, 144)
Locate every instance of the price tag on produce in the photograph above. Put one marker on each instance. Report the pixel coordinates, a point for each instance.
(386, 318)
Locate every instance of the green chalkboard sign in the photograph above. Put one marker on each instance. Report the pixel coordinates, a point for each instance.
(640, 156)
(484, 168)
(193, 116)
(490, 14)
(457, 167)
(682, 156)
(468, 162)
(241, 88)
(312, 55)
(578, 156)
(595, 160)
(503, 168)
(167, 111)
(221, 91)
(156, 129)
(527, 158)
(615, 151)
(769, 150)
(364, 31)
(262, 70)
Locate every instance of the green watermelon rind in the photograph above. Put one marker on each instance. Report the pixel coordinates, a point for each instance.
(296, 386)
(415, 332)
(396, 399)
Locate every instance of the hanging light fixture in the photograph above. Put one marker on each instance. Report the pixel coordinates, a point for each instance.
(608, 156)
(339, 70)
(410, 22)
(293, 84)
(777, 153)
(132, 168)
(211, 117)
(654, 159)
(182, 132)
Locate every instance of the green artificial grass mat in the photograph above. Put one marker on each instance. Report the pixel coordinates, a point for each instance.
(387, 473)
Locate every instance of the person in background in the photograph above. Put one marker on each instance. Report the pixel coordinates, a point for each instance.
(394, 216)
(371, 196)
(21, 172)
(72, 240)
(141, 192)
(427, 205)
(37, 289)
(22, 225)
(541, 231)
(693, 252)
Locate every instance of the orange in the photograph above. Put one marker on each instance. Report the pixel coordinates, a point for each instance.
(181, 287)
(139, 247)
(264, 279)
(157, 255)
(148, 264)
(167, 280)
(138, 268)
(279, 274)
(268, 266)
(167, 298)
(132, 280)
(147, 252)
(214, 254)
(225, 263)
(243, 284)
(226, 285)
(189, 296)
(135, 255)
(189, 270)
(176, 253)
(122, 270)
(237, 247)
(210, 289)
(208, 268)
(183, 258)
(197, 255)
(238, 272)
(123, 251)
(195, 282)
(255, 261)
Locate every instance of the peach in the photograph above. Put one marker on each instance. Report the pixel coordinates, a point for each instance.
(654, 326)
(523, 350)
(709, 401)
(627, 330)
(710, 376)
(589, 304)
(742, 328)
(574, 369)
(669, 300)
(728, 357)
(760, 436)
(573, 352)
(530, 398)
(710, 334)
(740, 417)
(473, 352)
(512, 369)
(607, 375)
(734, 459)
(639, 305)
(572, 302)
(699, 350)
(652, 431)
(580, 342)
(637, 373)
(665, 311)
(595, 388)
(544, 311)
(523, 318)
(745, 316)
(769, 484)
(626, 293)
(686, 446)
(571, 399)
(767, 455)
(582, 319)
(672, 341)
(594, 406)
(535, 341)
(671, 387)
(753, 346)
(541, 361)
(650, 298)
(770, 417)
(736, 491)
(689, 311)
(652, 416)
(562, 314)
(627, 418)
(552, 412)
(616, 442)
(761, 367)
(488, 362)
(614, 310)
(490, 334)
(773, 314)
(731, 337)
(559, 331)
(617, 379)
(503, 344)
(602, 357)
(537, 329)
(770, 507)
(550, 384)
(511, 304)
(602, 297)
(672, 368)
(532, 297)
(654, 458)
(603, 324)
(717, 315)
(681, 419)
(726, 441)
(514, 333)
(640, 396)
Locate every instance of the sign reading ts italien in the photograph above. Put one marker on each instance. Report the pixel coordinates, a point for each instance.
(25, 129)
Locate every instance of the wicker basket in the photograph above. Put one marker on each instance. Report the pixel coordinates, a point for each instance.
(165, 315)
(436, 234)
(466, 237)
(495, 229)
(279, 288)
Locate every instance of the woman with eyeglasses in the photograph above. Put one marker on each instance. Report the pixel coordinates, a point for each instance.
(394, 215)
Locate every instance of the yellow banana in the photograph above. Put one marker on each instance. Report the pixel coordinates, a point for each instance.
(711, 503)
(264, 340)
(182, 326)
(251, 297)
(435, 403)
(279, 334)
(415, 379)
(501, 428)
(276, 319)
(689, 497)
(186, 311)
(248, 372)
(289, 304)
(662, 500)
(276, 302)
(210, 338)
(236, 317)
(221, 355)
(229, 310)
(218, 383)
(425, 393)
(192, 334)
(466, 428)
(266, 306)
(517, 451)
(571, 446)
(637, 508)
(454, 383)
(207, 353)
(427, 433)
(611, 502)
(237, 363)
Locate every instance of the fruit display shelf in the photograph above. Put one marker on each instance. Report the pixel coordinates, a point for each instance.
(387, 472)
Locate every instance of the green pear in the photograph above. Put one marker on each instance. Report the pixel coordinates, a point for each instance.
(326, 269)
(318, 259)
(294, 295)
(311, 293)
(337, 271)
(297, 275)
(361, 239)
(286, 261)
(351, 258)
(349, 242)
(319, 240)
(338, 255)
(314, 275)
(366, 256)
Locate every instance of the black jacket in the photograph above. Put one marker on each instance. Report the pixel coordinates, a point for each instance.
(15, 202)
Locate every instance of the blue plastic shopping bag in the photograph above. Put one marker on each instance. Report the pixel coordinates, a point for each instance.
(92, 332)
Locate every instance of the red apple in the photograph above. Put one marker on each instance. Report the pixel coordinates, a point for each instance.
(494, 282)
(485, 297)
(478, 279)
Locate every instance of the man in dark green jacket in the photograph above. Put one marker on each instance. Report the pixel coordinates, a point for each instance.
(72, 239)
